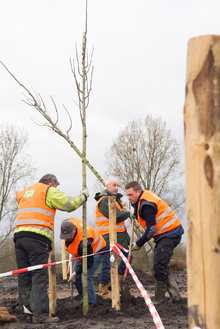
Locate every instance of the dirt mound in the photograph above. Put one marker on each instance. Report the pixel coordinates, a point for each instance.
(101, 315)
(177, 265)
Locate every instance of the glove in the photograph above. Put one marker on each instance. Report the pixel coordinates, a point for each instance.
(85, 192)
(126, 208)
(132, 216)
(134, 247)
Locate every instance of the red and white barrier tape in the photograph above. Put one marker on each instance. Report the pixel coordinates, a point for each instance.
(31, 268)
(156, 318)
(37, 267)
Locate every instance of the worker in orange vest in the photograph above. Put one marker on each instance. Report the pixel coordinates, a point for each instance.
(72, 232)
(102, 226)
(33, 237)
(161, 223)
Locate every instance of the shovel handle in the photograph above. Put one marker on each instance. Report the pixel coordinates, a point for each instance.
(131, 240)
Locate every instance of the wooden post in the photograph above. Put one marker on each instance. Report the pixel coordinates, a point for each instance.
(52, 282)
(64, 270)
(113, 260)
(71, 272)
(202, 156)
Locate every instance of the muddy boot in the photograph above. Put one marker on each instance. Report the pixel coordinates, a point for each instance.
(49, 319)
(173, 289)
(103, 291)
(160, 290)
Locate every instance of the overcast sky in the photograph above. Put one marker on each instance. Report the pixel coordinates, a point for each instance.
(140, 57)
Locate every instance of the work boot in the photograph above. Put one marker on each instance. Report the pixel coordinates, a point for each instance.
(160, 290)
(49, 319)
(103, 291)
(173, 289)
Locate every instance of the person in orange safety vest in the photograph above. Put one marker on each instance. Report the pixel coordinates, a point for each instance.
(102, 226)
(161, 223)
(72, 232)
(33, 237)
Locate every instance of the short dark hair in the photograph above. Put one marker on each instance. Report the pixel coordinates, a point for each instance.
(133, 184)
(49, 178)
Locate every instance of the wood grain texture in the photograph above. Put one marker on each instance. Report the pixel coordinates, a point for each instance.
(202, 160)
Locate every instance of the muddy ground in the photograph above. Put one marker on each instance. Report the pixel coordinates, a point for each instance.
(134, 315)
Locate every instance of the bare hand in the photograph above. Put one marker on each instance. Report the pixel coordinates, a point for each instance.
(72, 277)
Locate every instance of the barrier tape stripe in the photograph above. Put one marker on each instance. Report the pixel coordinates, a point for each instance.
(156, 318)
(119, 246)
(36, 267)
(31, 268)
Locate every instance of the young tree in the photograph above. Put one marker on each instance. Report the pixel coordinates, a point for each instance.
(15, 170)
(83, 89)
(146, 151)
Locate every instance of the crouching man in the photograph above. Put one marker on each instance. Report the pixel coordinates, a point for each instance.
(72, 232)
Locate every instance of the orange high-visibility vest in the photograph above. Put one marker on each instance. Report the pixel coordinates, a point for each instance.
(102, 222)
(33, 210)
(166, 219)
(98, 242)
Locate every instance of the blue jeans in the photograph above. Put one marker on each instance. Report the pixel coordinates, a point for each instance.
(106, 267)
(98, 259)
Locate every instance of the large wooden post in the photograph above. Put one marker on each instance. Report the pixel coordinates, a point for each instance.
(202, 156)
(113, 260)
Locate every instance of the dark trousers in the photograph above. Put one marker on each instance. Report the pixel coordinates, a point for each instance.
(32, 286)
(163, 252)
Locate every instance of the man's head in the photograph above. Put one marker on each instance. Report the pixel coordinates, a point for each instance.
(111, 184)
(67, 230)
(49, 179)
(133, 191)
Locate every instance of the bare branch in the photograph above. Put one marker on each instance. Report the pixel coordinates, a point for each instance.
(67, 132)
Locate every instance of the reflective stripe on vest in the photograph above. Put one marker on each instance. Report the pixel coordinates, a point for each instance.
(30, 222)
(119, 226)
(45, 231)
(67, 204)
(100, 241)
(41, 211)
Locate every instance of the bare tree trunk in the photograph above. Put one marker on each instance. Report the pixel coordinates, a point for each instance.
(202, 153)
(84, 213)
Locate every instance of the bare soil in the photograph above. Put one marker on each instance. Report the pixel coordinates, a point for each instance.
(134, 315)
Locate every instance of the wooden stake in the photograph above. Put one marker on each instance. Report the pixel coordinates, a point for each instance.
(64, 270)
(114, 265)
(71, 272)
(52, 282)
(202, 156)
